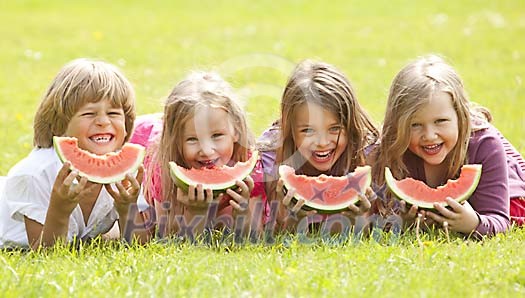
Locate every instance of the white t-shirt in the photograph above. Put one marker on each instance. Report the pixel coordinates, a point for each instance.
(26, 192)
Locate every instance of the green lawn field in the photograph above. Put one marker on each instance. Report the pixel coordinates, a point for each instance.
(255, 45)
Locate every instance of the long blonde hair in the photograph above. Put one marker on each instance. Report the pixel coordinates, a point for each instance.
(79, 82)
(326, 86)
(199, 89)
(413, 87)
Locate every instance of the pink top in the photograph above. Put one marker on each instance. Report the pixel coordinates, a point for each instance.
(148, 130)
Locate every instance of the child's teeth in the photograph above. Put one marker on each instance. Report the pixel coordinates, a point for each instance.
(207, 163)
(322, 154)
(431, 149)
(101, 139)
(432, 146)
(325, 155)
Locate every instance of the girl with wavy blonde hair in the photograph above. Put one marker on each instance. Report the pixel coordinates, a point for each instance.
(430, 131)
(203, 125)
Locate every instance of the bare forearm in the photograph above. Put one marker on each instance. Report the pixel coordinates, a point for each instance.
(132, 224)
(287, 221)
(55, 229)
(195, 220)
(289, 224)
(251, 221)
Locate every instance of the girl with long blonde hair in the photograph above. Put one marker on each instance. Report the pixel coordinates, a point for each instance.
(203, 125)
(430, 131)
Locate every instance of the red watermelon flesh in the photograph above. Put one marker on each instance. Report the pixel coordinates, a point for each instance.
(327, 194)
(105, 169)
(215, 178)
(417, 193)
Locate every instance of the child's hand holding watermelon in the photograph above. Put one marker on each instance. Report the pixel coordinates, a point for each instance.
(362, 206)
(408, 215)
(197, 199)
(291, 213)
(65, 197)
(67, 193)
(89, 108)
(460, 218)
(244, 206)
(125, 202)
(128, 191)
(434, 137)
(240, 199)
(204, 148)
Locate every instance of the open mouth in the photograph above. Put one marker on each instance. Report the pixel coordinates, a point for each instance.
(322, 156)
(209, 163)
(432, 149)
(101, 138)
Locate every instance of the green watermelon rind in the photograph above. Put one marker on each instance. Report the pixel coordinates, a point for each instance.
(391, 183)
(97, 179)
(325, 209)
(182, 181)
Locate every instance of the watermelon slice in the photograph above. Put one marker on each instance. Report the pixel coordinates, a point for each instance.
(417, 193)
(217, 179)
(105, 169)
(327, 194)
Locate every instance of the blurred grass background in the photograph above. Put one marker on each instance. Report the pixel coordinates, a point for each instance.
(255, 45)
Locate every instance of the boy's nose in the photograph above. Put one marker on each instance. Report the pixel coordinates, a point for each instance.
(102, 120)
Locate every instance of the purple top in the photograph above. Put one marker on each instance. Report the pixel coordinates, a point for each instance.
(516, 165)
(267, 145)
(503, 177)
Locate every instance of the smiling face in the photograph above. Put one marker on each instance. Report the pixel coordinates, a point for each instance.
(99, 127)
(208, 138)
(319, 137)
(434, 130)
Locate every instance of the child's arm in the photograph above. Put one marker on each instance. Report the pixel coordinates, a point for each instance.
(409, 215)
(247, 211)
(131, 222)
(199, 208)
(363, 206)
(487, 210)
(197, 203)
(162, 212)
(289, 215)
(65, 196)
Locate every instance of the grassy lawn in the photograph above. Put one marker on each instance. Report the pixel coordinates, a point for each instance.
(437, 269)
(255, 45)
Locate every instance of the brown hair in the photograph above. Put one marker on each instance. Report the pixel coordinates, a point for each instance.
(323, 84)
(79, 82)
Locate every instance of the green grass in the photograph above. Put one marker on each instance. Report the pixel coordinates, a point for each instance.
(255, 45)
(495, 267)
